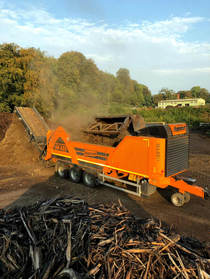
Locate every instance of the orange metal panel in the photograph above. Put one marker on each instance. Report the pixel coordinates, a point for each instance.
(142, 156)
(184, 187)
(178, 128)
(139, 155)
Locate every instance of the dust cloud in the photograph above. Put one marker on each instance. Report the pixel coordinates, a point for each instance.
(71, 106)
(75, 120)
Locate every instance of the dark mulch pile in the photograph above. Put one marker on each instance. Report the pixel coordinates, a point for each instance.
(67, 238)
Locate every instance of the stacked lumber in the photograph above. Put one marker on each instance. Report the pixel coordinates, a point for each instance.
(67, 238)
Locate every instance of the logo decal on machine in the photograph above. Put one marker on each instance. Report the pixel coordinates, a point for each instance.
(179, 128)
(92, 154)
(60, 146)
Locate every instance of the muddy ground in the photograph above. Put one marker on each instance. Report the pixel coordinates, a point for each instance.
(24, 180)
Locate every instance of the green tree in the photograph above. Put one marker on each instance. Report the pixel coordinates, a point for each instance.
(195, 91)
(168, 94)
(30, 78)
(126, 84)
(185, 94)
(147, 96)
(41, 86)
(12, 76)
(69, 64)
(26, 79)
(137, 98)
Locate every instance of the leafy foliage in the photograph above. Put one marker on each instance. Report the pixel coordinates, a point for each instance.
(26, 78)
(56, 87)
(191, 116)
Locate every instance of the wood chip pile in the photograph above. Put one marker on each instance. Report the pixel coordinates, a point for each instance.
(66, 238)
(5, 121)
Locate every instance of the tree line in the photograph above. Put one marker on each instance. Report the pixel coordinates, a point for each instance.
(28, 77)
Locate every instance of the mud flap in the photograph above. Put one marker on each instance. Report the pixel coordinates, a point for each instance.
(147, 189)
(206, 193)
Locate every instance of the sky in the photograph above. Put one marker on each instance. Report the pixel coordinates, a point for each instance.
(163, 43)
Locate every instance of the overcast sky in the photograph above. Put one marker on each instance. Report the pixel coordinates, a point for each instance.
(163, 43)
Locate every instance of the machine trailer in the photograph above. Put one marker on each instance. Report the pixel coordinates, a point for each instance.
(154, 158)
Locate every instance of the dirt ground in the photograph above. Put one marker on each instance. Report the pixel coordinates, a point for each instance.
(24, 180)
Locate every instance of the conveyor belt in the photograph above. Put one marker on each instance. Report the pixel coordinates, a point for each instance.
(35, 125)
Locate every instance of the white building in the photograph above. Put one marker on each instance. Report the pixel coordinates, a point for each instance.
(194, 102)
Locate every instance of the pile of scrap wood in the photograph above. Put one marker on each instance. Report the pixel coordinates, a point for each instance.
(66, 238)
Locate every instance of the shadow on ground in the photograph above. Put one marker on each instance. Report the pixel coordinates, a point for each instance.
(192, 219)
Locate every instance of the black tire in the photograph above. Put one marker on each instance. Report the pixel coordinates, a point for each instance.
(89, 179)
(186, 197)
(177, 199)
(61, 170)
(75, 174)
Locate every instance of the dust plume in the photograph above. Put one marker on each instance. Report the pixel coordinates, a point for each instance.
(75, 120)
(71, 98)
